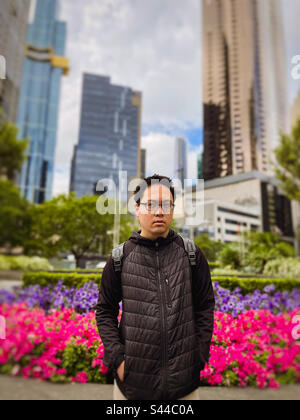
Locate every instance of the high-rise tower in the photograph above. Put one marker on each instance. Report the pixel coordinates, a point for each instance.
(181, 160)
(245, 97)
(110, 135)
(39, 101)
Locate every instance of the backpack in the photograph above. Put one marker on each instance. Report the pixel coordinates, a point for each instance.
(189, 245)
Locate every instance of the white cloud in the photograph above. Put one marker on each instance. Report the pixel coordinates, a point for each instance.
(160, 156)
(62, 176)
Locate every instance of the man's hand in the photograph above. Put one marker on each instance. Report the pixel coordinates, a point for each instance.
(120, 371)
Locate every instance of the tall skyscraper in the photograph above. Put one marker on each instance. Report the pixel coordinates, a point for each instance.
(39, 101)
(181, 160)
(110, 135)
(245, 97)
(13, 27)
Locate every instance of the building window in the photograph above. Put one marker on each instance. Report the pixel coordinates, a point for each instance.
(231, 232)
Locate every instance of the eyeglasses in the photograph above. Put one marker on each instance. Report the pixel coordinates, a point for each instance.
(153, 206)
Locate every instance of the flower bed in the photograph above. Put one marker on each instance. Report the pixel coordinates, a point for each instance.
(79, 279)
(254, 349)
(234, 302)
(58, 296)
(61, 346)
(84, 299)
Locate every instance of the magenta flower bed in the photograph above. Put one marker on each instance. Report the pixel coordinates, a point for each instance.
(256, 348)
(62, 346)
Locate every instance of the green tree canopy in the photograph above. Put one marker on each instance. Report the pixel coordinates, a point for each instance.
(70, 224)
(230, 256)
(15, 216)
(209, 247)
(261, 247)
(288, 158)
(12, 150)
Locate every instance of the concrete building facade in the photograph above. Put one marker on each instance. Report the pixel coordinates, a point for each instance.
(13, 27)
(250, 201)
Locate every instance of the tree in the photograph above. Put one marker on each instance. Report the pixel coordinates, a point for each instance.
(262, 247)
(230, 256)
(209, 247)
(288, 169)
(12, 150)
(288, 157)
(15, 216)
(70, 224)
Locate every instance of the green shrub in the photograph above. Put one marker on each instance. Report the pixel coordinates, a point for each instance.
(283, 267)
(4, 263)
(223, 272)
(262, 247)
(22, 263)
(213, 265)
(230, 256)
(249, 285)
(70, 279)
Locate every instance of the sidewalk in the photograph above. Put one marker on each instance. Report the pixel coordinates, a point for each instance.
(31, 389)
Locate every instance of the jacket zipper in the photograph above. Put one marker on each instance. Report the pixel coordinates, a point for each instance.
(168, 296)
(165, 355)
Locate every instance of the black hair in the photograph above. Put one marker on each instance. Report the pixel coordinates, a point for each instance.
(147, 182)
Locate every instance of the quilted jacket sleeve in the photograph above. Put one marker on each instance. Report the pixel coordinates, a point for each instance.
(107, 311)
(204, 305)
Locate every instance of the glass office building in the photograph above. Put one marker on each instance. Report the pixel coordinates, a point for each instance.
(39, 100)
(109, 138)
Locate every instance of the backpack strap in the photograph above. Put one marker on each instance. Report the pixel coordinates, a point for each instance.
(190, 248)
(117, 255)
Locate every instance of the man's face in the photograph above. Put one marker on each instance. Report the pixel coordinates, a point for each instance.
(149, 213)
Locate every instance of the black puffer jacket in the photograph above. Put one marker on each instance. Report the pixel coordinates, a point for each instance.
(167, 320)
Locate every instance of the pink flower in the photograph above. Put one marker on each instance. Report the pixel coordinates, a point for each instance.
(252, 349)
(81, 377)
(104, 369)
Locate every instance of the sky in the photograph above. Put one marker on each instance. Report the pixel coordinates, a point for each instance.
(153, 46)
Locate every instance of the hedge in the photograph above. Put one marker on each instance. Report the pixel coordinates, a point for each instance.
(70, 279)
(213, 265)
(247, 285)
(23, 263)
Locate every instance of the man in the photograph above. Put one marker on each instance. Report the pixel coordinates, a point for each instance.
(164, 337)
